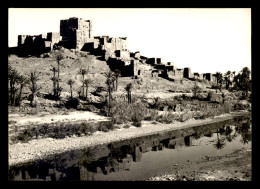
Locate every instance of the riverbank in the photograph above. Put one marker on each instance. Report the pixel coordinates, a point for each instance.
(40, 148)
(236, 166)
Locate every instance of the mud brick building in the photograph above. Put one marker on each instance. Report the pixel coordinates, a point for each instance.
(76, 33)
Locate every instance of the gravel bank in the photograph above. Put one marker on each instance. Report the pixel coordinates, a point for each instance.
(38, 149)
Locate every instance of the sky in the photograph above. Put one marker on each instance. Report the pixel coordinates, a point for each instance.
(204, 39)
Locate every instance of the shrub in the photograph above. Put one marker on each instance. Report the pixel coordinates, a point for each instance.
(138, 111)
(126, 126)
(74, 129)
(105, 126)
(185, 116)
(57, 132)
(167, 117)
(72, 103)
(209, 96)
(88, 107)
(241, 106)
(151, 115)
(44, 130)
(86, 128)
(24, 136)
(160, 104)
(137, 123)
(195, 90)
(122, 112)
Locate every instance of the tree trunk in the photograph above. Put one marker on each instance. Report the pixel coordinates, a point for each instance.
(86, 92)
(58, 84)
(20, 96)
(83, 87)
(70, 91)
(11, 91)
(32, 99)
(116, 83)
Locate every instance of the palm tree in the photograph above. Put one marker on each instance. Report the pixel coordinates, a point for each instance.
(87, 82)
(70, 82)
(109, 81)
(227, 78)
(228, 132)
(13, 78)
(242, 81)
(128, 88)
(58, 58)
(22, 80)
(117, 75)
(54, 80)
(83, 72)
(219, 78)
(34, 88)
(220, 142)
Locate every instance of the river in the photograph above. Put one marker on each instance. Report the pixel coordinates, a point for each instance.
(139, 158)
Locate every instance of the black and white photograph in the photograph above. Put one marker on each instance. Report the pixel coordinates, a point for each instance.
(129, 94)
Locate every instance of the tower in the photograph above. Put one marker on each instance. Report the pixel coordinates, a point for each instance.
(75, 32)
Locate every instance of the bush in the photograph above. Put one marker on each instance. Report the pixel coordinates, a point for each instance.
(210, 95)
(137, 123)
(122, 112)
(86, 129)
(72, 103)
(137, 112)
(88, 107)
(57, 133)
(44, 130)
(185, 116)
(160, 104)
(24, 136)
(167, 117)
(126, 126)
(105, 126)
(151, 115)
(241, 106)
(195, 90)
(214, 97)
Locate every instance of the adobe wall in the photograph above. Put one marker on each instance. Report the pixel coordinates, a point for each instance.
(21, 39)
(187, 73)
(76, 31)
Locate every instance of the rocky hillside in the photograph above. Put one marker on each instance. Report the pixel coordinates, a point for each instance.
(74, 60)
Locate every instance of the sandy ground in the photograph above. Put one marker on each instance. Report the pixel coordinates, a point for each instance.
(19, 120)
(37, 149)
(235, 166)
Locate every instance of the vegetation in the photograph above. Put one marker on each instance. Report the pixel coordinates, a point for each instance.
(59, 57)
(227, 79)
(34, 88)
(61, 130)
(128, 89)
(70, 82)
(83, 72)
(117, 75)
(87, 82)
(242, 81)
(23, 81)
(13, 78)
(219, 78)
(196, 90)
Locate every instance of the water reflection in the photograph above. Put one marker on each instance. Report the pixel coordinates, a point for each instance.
(85, 164)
